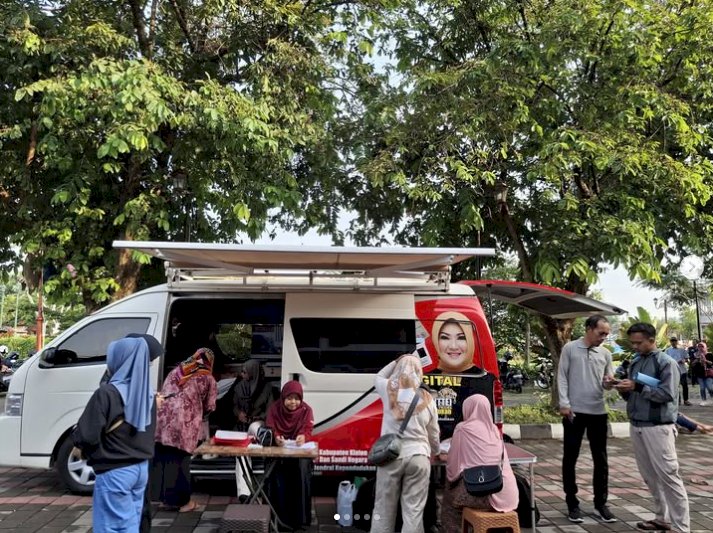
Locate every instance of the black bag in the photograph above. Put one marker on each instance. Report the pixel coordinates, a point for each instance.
(484, 480)
(524, 513)
(264, 436)
(388, 447)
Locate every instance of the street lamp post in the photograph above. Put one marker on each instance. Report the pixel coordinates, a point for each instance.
(692, 268)
(665, 308)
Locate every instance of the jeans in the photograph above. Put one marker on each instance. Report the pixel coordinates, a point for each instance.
(706, 384)
(118, 499)
(684, 385)
(596, 427)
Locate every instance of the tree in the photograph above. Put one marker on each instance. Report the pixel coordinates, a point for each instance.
(168, 120)
(571, 134)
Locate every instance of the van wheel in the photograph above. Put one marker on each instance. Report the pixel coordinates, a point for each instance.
(73, 471)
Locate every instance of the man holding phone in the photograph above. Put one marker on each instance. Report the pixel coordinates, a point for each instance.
(585, 370)
(651, 395)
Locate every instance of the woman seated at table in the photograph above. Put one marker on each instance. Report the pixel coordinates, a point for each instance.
(291, 420)
(476, 442)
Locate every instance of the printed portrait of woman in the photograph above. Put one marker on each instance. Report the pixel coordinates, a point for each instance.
(452, 335)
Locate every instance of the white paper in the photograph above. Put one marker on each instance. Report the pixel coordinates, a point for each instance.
(445, 446)
(306, 446)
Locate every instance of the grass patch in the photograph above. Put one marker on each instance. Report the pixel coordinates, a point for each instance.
(542, 413)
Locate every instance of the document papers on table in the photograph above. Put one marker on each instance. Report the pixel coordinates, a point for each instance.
(306, 446)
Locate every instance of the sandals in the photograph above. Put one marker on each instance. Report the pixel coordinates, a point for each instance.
(190, 506)
(653, 525)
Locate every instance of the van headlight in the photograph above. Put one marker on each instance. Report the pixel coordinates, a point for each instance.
(13, 405)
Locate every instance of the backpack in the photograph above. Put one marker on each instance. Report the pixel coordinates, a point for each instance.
(524, 491)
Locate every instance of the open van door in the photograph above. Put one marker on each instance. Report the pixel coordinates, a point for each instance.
(542, 299)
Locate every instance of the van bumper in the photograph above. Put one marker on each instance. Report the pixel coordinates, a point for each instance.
(10, 449)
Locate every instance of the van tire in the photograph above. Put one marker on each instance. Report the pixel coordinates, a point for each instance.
(74, 473)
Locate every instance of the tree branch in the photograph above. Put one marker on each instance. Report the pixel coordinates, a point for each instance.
(181, 19)
(140, 27)
(32, 149)
(152, 24)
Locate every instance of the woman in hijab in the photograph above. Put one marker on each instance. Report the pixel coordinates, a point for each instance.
(291, 420)
(116, 433)
(406, 478)
(251, 400)
(476, 442)
(703, 363)
(252, 397)
(189, 394)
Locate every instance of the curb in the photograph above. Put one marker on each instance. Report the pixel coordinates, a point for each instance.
(617, 430)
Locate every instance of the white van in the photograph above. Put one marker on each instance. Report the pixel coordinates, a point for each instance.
(329, 317)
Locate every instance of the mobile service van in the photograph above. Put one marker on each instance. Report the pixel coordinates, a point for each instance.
(329, 317)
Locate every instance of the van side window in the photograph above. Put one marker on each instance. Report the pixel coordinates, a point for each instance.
(335, 345)
(88, 345)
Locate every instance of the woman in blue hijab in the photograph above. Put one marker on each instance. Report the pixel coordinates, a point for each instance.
(116, 433)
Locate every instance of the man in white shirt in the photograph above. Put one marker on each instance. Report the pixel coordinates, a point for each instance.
(585, 370)
(680, 355)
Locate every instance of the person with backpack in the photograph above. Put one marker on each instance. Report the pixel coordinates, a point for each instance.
(651, 394)
(406, 477)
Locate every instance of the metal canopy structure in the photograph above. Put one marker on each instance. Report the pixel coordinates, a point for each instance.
(191, 261)
(542, 299)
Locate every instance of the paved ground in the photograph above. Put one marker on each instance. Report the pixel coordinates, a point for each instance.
(33, 500)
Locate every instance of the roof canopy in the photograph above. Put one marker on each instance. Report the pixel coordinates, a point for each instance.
(549, 301)
(241, 259)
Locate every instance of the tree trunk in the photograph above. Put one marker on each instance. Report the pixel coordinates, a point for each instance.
(557, 334)
(127, 271)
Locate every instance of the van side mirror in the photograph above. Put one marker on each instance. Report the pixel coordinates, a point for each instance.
(50, 354)
(48, 357)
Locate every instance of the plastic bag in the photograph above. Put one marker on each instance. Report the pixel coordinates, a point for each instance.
(346, 494)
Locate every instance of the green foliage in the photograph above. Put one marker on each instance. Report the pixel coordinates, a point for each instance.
(21, 345)
(542, 413)
(108, 107)
(643, 316)
(593, 117)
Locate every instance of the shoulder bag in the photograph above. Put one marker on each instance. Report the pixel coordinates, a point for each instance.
(484, 480)
(388, 447)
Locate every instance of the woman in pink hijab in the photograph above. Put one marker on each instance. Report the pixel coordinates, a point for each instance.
(476, 442)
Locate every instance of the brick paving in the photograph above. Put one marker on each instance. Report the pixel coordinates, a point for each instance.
(33, 500)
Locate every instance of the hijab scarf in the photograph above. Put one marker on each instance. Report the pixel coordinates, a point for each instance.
(127, 361)
(249, 385)
(285, 422)
(476, 440)
(199, 364)
(403, 383)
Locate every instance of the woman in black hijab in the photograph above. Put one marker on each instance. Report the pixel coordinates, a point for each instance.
(253, 396)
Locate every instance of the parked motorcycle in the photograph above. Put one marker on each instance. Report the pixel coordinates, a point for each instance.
(545, 374)
(511, 378)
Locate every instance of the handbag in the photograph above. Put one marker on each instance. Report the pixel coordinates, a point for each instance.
(484, 480)
(264, 436)
(388, 447)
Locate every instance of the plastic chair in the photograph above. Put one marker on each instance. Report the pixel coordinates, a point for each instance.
(245, 519)
(484, 521)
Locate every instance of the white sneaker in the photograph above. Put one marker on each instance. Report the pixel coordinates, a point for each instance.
(703, 404)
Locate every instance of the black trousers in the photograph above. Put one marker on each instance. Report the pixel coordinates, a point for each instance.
(596, 428)
(171, 475)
